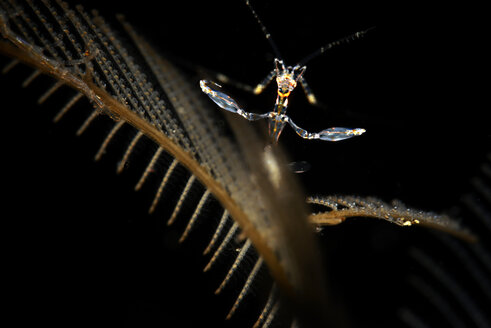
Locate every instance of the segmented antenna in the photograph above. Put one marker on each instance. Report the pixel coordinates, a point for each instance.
(331, 45)
(265, 31)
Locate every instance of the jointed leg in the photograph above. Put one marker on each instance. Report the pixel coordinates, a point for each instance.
(239, 85)
(264, 83)
(308, 92)
(331, 134)
(222, 78)
(226, 102)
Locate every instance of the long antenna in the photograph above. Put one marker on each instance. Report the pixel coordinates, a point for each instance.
(265, 31)
(336, 43)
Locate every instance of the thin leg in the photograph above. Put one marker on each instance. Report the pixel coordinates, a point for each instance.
(264, 83)
(224, 79)
(239, 85)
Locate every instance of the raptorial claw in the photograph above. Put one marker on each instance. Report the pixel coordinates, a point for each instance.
(226, 102)
(331, 134)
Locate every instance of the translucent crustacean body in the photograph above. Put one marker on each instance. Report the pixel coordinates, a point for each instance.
(287, 78)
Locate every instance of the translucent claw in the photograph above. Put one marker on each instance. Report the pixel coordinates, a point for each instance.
(331, 134)
(226, 102)
(221, 99)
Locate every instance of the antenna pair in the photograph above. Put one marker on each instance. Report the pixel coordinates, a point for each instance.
(320, 51)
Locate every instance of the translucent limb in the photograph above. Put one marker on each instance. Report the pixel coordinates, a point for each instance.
(308, 92)
(226, 102)
(264, 83)
(331, 134)
(259, 88)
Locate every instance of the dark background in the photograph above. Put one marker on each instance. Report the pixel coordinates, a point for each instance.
(78, 233)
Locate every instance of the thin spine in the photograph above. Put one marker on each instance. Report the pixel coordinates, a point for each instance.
(245, 290)
(67, 106)
(21, 15)
(89, 36)
(87, 122)
(222, 246)
(271, 315)
(183, 196)
(122, 65)
(149, 168)
(47, 45)
(438, 301)
(471, 265)
(31, 78)
(129, 150)
(162, 185)
(478, 209)
(196, 123)
(50, 46)
(50, 91)
(108, 138)
(195, 215)
(142, 89)
(62, 21)
(26, 44)
(11, 64)
(456, 289)
(29, 45)
(155, 65)
(266, 309)
(238, 260)
(221, 224)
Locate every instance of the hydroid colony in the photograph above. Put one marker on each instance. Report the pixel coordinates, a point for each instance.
(213, 172)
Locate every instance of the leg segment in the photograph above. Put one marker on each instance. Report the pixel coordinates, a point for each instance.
(222, 78)
(308, 92)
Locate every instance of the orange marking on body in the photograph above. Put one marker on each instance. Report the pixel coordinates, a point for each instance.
(285, 95)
